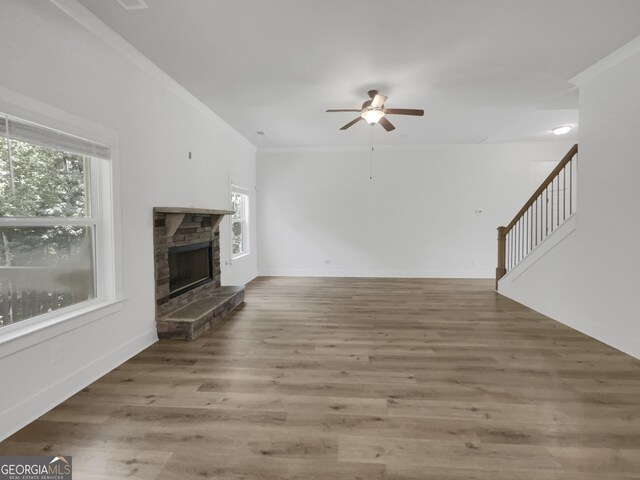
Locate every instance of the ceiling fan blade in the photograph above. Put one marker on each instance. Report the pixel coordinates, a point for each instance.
(404, 111)
(388, 126)
(351, 123)
(378, 101)
(344, 110)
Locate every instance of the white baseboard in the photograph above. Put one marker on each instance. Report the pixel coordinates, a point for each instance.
(374, 273)
(37, 405)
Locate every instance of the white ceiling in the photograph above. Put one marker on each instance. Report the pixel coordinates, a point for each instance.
(483, 70)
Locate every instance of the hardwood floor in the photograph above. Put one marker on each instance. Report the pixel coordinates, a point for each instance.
(359, 379)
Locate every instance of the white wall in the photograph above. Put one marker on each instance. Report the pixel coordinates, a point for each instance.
(591, 279)
(65, 70)
(417, 217)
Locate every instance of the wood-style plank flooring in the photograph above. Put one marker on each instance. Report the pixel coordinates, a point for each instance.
(319, 378)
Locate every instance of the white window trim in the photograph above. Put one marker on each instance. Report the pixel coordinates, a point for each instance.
(245, 221)
(104, 201)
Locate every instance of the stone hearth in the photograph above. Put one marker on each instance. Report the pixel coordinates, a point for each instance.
(187, 315)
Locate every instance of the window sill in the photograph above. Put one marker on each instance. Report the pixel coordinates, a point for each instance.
(242, 255)
(30, 332)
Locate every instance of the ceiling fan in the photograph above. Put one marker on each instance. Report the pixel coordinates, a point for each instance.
(373, 112)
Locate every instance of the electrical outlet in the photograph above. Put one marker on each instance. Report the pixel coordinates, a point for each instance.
(56, 354)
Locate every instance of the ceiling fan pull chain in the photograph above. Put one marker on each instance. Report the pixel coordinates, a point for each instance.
(371, 154)
(371, 164)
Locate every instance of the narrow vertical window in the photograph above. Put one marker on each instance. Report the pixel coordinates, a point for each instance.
(239, 224)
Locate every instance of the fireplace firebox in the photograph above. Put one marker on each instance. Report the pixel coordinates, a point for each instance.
(189, 267)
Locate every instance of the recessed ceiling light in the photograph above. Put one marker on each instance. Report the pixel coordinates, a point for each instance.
(561, 130)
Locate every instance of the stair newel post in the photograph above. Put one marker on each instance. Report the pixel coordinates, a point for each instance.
(502, 254)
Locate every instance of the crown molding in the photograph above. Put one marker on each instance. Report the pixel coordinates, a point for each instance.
(623, 53)
(416, 147)
(101, 30)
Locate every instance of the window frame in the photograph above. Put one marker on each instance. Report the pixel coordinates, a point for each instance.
(90, 220)
(104, 217)
(243, 221)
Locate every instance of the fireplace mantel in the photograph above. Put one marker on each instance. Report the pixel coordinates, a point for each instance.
(175, 215)
(194, 211)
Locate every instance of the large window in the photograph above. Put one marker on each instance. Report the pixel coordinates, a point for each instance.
(239, 224)
(48, 220)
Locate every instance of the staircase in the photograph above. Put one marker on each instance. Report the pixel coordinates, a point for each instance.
(549, 207)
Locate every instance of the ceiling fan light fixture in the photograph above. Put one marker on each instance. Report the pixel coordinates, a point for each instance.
(372, 115)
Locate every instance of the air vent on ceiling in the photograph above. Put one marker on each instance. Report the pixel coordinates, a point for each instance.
(133, 4)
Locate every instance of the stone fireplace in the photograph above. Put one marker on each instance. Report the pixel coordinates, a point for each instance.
(189, 296)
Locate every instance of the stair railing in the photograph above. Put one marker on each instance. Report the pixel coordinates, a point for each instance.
(549, 207)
